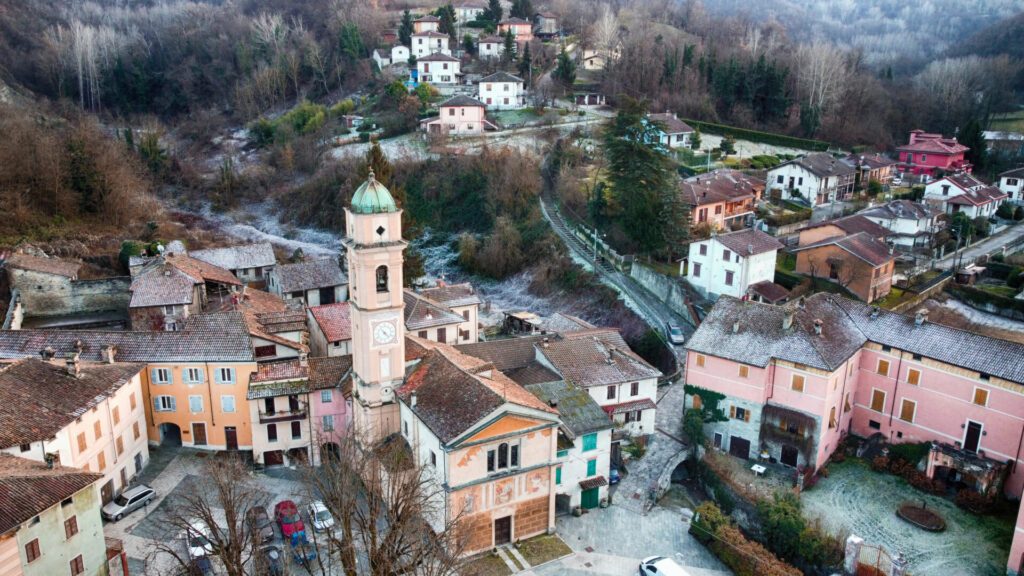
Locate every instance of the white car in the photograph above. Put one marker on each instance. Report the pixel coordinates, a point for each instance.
(197, 539)
(320, 516)
(661, 566)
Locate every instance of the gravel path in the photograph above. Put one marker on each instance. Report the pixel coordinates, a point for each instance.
(856, 500)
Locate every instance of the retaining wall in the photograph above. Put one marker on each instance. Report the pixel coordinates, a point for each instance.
(670, 292)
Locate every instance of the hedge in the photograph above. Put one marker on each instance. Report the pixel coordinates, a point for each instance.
(787, 280)
(981, 297)
(743, 556)
(757, 136)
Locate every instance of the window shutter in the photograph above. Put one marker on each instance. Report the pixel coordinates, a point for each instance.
(152, 375)
(732, 411)
(174, 404)
(156, 403)
(746, 416)
(216, 376)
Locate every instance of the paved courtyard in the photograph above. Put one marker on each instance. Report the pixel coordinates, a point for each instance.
(856, 500)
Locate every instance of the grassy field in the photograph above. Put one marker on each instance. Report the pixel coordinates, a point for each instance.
(1009, 122)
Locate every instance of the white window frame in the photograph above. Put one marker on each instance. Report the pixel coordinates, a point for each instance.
(220, 375)
(224, 404)
(326, 396)
(192, 398)
(186, 375)
(161, 371)
(167, 403)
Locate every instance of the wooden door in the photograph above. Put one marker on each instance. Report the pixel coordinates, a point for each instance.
(590, 498)
(231, 437)
(739, 447)
(107, 492)
(199, 434)
(973, 437)
(273, 458)
(503, 531)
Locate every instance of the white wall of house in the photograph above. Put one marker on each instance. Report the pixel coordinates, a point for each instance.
(1014, 186)
(574, 463)
(713, 275)
(675, 140)
(906, 229)
(399, 54)
(468, 329)
(447, 334)
(491, 49)
(465, 14)
(789, 177)
(426, 45)
(622, 393)
(424, 445)
(439, 72)
(502, 95)
(383, 61)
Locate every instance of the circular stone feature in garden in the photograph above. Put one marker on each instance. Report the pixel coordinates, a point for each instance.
(921, 517)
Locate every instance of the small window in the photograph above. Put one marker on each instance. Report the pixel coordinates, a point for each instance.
(728, 278)
(271, 432)
(97, 428)
(980, 397)
(874, 425)
(77, 566)
(25, 447)
(886, 348)
(226, 375)
(917, 357)
(907, 410)
(115, 415)
(67, 502)
(227, 403)
(741, 414)
(195, 404)
(913, 376)
(405, 428)
(700, 360)
(779, 179)
(296, 430)
(877, 400)
(328, 423)
(131, 401)
(798, 383)
(696, 270)
(433, 458)
(744, 371)
(81, 441)
(161, 376)
(119, 445)
(832, 418)
(70, 527)
(32, 550)
(135, 430)
(726, 254)
(558, 475)
(883, 367)
(983, 376)
(634, 388)
(193, 375)
(326, 396)
(611, 393)
(266, 351)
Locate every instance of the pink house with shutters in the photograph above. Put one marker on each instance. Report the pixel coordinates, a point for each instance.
(798, 379)
(927, 154)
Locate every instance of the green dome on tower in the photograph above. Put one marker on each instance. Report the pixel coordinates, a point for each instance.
(372, 198)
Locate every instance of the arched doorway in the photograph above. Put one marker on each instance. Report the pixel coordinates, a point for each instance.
(330, 451)
(170, 434)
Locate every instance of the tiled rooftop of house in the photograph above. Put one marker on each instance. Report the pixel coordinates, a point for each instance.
(310, 275)
(163, 285)
(421, 313)
(56, 266)
(822, 164)
(238, 257)
(38, 398)
(901, 209)
(580, 414)
(328, 371)
(720, 186)
(869, 161)
(202, 270)
(596, 358)
(853, 224)
(452, 294)
(861, 245)
(265, 315)
(749, 242)
(934, 143)
(505, 353)
(498, 77)
(769, 291)
(672, 124)
(334, 320)
(28, 488)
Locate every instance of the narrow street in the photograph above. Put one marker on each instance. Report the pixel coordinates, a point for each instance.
(1010, 236)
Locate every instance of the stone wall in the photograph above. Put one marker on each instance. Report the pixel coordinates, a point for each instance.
(668, 290)
(49, 295)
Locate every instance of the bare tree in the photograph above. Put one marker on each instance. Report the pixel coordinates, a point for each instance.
(822, 74)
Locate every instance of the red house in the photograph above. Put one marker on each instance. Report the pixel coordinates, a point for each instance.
(928, 153)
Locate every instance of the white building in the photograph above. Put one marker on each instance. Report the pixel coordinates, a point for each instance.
(469, 10)
(460, 116)
(399, 54)
(490, 47)
(818, 178)
(427, 23)
(431, 42)
(672, 132)
(913, 223)
(730, 263)
(1012, 184)
(438, 68)
(963, 192)
(502, 91)
(382, 57)
(584, 445)
(461, 300)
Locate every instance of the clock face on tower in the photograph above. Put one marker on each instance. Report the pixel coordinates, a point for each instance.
(384, 333)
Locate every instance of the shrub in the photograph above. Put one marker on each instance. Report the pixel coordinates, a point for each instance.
(746, 558)
(1005, 211)
(880, 464)
(973, 501)
(364, 136)
(1018, 213)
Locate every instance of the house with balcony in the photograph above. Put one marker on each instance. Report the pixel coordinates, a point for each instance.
(722, 199)
(913, 224)
(278, 403)
(929, 156)
(818, 178)
(248, 262)
(502, 91)
(429, 42)
(871, 168)
(459, 116)
(438, 68)
(277, 327)
(51, 520)
(731, 263)
(964, 192)
(85, 415)
(1011, 183)
(310, 282)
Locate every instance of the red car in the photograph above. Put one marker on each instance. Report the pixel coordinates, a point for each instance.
(286, 513)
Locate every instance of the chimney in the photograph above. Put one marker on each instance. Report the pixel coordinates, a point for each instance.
(553, 403)
(108, 353)
(303, 359)
(787, 320)
(874, 312)
(801, 302)
(735, 326)
(412, 400)
(750, 248)
(546, 342)
(921, 317)
(817, 326)
(72, 364)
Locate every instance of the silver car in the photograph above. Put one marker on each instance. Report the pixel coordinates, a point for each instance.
(675, 333)
(129, 501)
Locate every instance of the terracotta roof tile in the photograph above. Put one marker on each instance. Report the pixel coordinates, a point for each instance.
(597, 358)
(749, 242)
(28, 488)
(163, 285)
(855, 223)
(334, 320)
(265, 314)
(202, 270)
(330, 371)
(452, 295)
(860, 245)
(770, 291)
(506, 353)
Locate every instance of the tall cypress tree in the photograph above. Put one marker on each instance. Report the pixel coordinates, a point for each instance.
(405, 29)
(494, 11)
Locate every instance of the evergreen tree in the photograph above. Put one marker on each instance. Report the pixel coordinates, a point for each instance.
(468, 44)
(972, 137)
(639, 172)
(383, 172)
(405, 29)
(510, 46)
(695, 140)
(525, 63)
(351, 43)
(565, 71)
(522, 9)
(447, 15)
(493, 11)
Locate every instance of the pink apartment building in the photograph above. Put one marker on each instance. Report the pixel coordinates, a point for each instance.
(799, 378)
(927, 154)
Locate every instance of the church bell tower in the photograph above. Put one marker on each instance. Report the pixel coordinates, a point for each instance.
(374, 246)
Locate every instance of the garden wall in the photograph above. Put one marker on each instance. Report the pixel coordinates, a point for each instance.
(668, 290)
(988, 302)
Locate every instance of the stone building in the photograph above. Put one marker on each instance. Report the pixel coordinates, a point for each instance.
(311, 282)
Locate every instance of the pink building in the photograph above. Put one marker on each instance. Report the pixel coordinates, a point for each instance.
(330, 402)
(799, 378)
(460, 115)
(926, 154)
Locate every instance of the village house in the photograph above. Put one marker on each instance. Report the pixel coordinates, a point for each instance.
(277, 328)
(731, 263)
(964, 192)
(844, 226)
(545, 25)
(46, 292)
(493, 452)
(593, 59)
(167, 290)
(249, 262)
(400, 54)
(311, 282)
(522, 30)
(584, 445)
(426, 43)
(469, 10)
(818, 178)
(51, 521)
(490, 47)
(382, 57)
(620, 381)
(330, 329)
(871, 168)
(722, 199)
(426, 23)
(502, 91)
(438, 68)
(1004, 144)
(459, 299)
(430, 320)
(858, 262)
(280, 411)
(672, 132)
(87, 415)
(459, 116)
(330, 404)
(1011, 183)
(797, 379)
(913, 224)
(927, 155)
(194, 380)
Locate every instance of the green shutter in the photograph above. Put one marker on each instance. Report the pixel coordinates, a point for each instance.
(590, 442)
(592, 467)
(558, 475)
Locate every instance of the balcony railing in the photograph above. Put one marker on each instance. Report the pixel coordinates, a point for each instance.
(296, 413)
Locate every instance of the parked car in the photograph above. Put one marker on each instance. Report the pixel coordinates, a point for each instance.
(271, 561)
(286, 513)
(897, 180)
(259, 523)
(130, 500)
(320, 516)
(675, 334)
(197, 539)
(661, 566)
(613, 476)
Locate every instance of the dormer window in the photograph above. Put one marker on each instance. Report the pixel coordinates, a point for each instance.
(382, 279)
